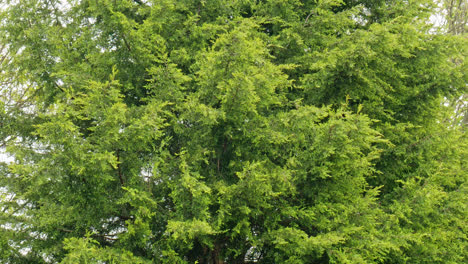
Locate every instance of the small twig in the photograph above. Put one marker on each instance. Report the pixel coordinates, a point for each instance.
(66, 230)
(307, 18)
(126, 43)
(106, 236)
(119, 170)
(330, 130)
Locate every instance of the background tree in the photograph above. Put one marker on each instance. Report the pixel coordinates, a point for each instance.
(454, 15)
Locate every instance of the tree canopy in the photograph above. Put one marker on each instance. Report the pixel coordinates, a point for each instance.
(240, 131)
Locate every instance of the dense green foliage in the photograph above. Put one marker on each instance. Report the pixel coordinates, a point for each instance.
(241, 131)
